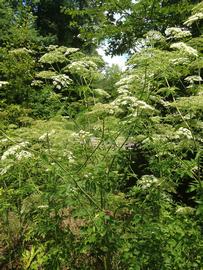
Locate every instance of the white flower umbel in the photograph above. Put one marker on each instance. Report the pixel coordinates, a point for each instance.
(4, 140)
(194, 18)
(85, 69)
(184, 132)
(130, 103)
(147, 181)
(43, 206)
(23, 154)
(180, 61)
(184, 48)
(82, 136)
(154, 35)
(71, 50)
(70, 157)
(177, 33)
(65, 50)
(46, 74)
(53, 57)
(36, 83)
(14, 150)
(124, 90)
(126, 80)
(181, 210)
(20, 51)
(193, 79)
(52, 47)
(61, 80)
(3, 83)
(82, 68)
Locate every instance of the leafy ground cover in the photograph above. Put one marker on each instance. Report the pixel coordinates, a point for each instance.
(103, 170)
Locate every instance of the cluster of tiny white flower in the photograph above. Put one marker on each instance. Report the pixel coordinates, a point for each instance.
(20, 51)
(36, 83)
(70, 51)
(147, 181)
(88, 176)
(192, 79)
(196, 17)
(15, 150)
(180, 61)
(185, 210)
(61, 80)
(23, 154)
(102, 109)
(53, 57)
(70, 157)
(164, 103)
(43, 206)
(126, 80)
(2, 83)
(3, 140)
(82, 68)
(185, 48)
(82, 136)
(57, 54)
(154, 35)
(62, 49)
(46, 74)
(126, 102)
(177, 33)
(123, 90)
(52, 47)
(130, 103)
(184, 132)
(44, 136)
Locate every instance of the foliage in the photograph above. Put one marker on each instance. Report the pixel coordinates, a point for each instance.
(123, 24)
(102, 169)
(55, 79)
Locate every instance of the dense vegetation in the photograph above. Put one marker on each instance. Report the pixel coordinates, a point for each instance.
(101, 169)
